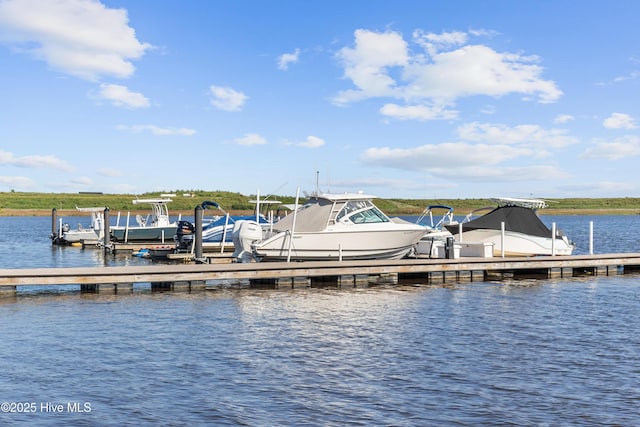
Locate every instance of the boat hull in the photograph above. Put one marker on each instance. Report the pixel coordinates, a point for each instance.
(336, 245)
(517, 244)
(77, 236)
(146, 234)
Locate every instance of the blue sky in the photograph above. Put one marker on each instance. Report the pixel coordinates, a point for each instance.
(409, 99)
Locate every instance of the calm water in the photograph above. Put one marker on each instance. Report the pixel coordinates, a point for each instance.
(541, 353)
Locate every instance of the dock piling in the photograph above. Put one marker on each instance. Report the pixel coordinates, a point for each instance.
(54, 223)
(107, 232)
(198, 232)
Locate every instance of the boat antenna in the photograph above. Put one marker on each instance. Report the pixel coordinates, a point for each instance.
(317, 185)
(274, 191)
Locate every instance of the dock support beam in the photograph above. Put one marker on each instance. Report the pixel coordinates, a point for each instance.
(98, 288)
(8, 291)
(107, 288)
(180, 286)
(322, 281)
(285, 282)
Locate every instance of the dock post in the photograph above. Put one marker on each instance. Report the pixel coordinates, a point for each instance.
(554, 272)
(590, 237)
(323, 281)
(181, 286)
(161, 286)
(54, 223)
(464, 276)
(198, 232)
(198, 285)
(98, 288)
(477, 275)
(124, 288)
(107, 232)
(8, 291)
(346, 281)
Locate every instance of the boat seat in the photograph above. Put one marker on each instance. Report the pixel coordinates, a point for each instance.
(142, 221)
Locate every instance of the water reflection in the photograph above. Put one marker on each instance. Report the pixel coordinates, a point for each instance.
(534, 352)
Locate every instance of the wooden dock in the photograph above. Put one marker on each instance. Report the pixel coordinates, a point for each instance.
(341, 273)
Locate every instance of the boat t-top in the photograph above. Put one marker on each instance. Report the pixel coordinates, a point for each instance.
(155, 226)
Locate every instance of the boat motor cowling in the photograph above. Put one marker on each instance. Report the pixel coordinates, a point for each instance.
(245, 233)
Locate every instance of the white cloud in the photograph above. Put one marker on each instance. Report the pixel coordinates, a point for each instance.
(478, 70)
(418, 112)
(156, 130)
(482, 32)
(563, 118)
(463, 161)
(366, 65)
(121, 96)
(521, 134)
(488, 109)
(82, 38)
(34, 161)
(484, 152)
(600, 187)
(397, 185)
(430, 156)
(13, 182)
(288, 58)
(619, 148)
(619, 121)
(82, 180)
(500, 174)
(383, 65)
(310, 142)
(433, 43)
(631, 76)
(227, 99)
(250, 139)
(109, 172)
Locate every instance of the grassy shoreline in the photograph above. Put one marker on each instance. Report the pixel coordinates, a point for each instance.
(41, 204)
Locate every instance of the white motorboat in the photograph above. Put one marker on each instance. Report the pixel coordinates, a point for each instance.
(95, 231)
(514, 229)
(156, 226)
(329, 227)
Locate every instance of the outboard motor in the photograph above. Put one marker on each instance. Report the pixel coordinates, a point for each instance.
(245, 232)
(184, 235)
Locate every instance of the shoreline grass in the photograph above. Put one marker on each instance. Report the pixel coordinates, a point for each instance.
(184, 202)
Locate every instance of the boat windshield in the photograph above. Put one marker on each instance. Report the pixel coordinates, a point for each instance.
(361, 211)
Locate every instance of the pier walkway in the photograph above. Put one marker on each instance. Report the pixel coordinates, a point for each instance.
(344, 273)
